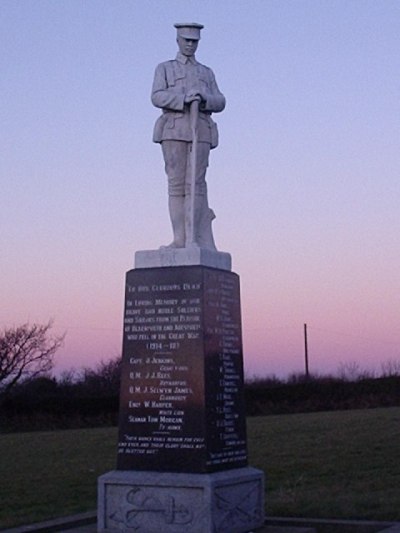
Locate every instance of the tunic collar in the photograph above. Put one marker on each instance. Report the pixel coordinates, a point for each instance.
(185, 59)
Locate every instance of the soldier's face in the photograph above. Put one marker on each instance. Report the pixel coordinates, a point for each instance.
(187, 47)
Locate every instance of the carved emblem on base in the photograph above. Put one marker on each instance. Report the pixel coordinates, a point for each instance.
(153, 502)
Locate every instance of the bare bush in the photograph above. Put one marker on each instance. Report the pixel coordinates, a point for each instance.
(26, 351)
(390, 368)
(104, 379)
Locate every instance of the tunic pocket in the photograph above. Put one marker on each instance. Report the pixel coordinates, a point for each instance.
(159, 128)
(214, 134)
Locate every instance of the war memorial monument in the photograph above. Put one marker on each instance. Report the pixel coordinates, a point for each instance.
(182, 450)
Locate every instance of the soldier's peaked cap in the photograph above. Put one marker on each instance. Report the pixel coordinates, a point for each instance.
(189, 30)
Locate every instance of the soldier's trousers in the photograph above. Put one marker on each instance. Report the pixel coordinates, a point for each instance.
(178, 160)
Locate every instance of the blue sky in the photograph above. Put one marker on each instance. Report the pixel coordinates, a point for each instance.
(305, 182)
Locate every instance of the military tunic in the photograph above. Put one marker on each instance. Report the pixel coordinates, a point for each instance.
(175, 79)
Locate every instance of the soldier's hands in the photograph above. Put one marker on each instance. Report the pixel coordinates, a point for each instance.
(189, 98)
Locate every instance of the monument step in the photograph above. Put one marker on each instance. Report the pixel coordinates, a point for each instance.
(286, 529)
(86, 523)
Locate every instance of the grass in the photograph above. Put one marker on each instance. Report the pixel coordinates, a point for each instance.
(342, 464)
(334, 465)
(50, 474)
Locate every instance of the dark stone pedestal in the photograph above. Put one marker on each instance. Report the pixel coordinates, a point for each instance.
(182, 416)
(182, 406)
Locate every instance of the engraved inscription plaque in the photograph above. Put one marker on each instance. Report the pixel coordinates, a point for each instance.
(182, 403)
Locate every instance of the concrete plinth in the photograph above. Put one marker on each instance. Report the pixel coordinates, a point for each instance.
(152, 502)
(170, 257)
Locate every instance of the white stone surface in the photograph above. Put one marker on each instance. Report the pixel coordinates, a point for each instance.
(153, 502)
(187, 93)
(168, 257)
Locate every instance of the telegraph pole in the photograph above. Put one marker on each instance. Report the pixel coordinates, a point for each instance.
(306, 351)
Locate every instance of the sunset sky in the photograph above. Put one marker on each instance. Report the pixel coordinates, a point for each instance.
(305, 183)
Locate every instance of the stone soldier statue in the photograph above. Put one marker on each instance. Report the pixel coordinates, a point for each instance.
(188, 94)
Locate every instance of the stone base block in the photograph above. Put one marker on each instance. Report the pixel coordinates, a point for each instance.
(153, 502)
(168, 257)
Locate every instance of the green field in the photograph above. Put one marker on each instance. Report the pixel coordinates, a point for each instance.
(335, 465)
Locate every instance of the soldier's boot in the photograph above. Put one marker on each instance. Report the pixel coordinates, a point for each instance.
(176, 205)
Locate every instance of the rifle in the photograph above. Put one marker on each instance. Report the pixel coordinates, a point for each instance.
(194, 117)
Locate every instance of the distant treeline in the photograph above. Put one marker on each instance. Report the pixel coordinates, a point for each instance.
(301, 395)
(90, 398)
(78, 399)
